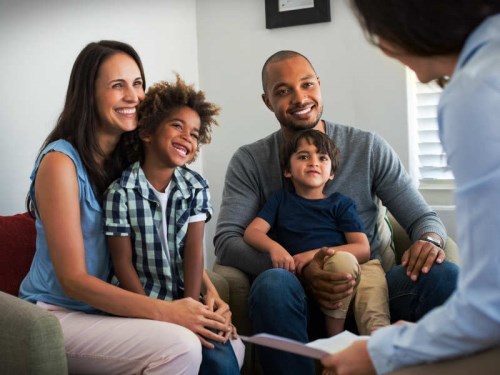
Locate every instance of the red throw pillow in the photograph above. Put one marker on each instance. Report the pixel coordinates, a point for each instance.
(17, 247)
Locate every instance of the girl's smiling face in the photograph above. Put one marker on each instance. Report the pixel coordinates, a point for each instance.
(175, 141)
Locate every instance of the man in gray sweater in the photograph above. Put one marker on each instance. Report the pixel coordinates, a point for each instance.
(369, 172)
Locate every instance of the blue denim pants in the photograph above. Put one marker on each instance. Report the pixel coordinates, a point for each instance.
(219, 360)
(279, 305)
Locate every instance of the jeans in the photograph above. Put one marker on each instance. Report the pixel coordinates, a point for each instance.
(409, 300)
(219, 360)
(279, 305)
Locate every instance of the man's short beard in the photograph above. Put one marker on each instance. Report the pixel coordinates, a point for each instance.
(294, 127)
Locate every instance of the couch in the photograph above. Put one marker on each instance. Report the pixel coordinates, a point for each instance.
(395, 240)
(31, 340)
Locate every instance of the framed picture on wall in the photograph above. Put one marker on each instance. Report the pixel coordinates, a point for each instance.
(282, 13)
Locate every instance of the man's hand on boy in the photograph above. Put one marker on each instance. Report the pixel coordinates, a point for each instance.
(328, 288)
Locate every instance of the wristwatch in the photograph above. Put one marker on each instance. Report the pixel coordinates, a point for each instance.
(432, 241)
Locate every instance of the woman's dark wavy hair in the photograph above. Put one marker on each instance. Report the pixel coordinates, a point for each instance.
(423, 28)
(323, 143)
(161, 100)
(79, 121)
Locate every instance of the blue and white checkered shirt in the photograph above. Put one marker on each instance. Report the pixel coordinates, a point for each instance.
(132, 209)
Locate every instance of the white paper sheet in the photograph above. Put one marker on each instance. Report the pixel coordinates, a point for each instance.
(314, 349)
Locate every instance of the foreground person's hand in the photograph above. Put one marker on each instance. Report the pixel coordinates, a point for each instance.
(354, 360)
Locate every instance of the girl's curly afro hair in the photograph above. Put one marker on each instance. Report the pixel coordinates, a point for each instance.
(160, 101)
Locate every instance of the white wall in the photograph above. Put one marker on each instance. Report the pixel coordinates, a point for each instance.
(360, 86)
(221, 44)
(40, 41)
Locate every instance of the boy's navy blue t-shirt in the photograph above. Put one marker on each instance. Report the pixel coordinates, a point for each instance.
(300, 224)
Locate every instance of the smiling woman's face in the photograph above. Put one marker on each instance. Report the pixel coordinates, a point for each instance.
(118, 91)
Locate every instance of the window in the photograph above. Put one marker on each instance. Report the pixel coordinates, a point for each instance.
(429, 164)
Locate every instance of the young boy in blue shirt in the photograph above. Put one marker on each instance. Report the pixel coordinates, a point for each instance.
(156, 212)
(305, 220)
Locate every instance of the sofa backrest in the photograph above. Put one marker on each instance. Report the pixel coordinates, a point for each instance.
(17, 247)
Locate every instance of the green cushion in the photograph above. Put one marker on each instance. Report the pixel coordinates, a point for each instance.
(31, 339)
(386, 235)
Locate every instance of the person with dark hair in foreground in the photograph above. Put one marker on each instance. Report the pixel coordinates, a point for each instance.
(458, 42)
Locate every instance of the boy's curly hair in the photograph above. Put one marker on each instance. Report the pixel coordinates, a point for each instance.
(159, 102)
(319, 139)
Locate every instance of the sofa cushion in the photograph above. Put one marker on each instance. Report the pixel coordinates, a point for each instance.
(386, 234)
(32, 339)
(17, 247)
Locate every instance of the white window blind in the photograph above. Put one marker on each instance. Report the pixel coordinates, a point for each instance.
(432, 163)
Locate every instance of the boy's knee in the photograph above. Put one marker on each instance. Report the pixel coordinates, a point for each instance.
(342, 261)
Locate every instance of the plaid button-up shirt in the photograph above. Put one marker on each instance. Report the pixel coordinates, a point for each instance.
(132, 209)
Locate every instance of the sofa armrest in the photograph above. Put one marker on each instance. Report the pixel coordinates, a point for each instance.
(32, 339)
(239, 286)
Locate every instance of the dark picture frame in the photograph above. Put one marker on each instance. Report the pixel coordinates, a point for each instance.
(320, 12)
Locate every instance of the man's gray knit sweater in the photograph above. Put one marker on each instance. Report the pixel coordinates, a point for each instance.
(369, 170)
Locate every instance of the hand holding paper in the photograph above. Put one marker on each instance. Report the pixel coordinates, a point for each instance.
(315, 349)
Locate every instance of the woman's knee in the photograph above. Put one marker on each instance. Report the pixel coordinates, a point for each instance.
(176, 349)
(189, 345)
